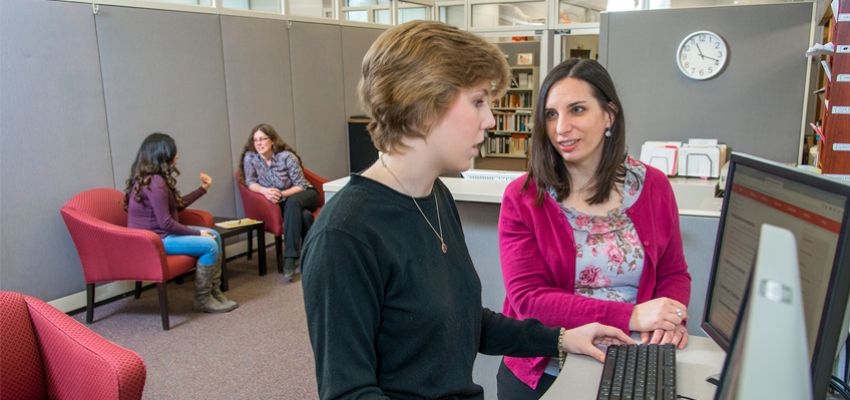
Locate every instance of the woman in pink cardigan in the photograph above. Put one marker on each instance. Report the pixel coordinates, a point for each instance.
(589, 234)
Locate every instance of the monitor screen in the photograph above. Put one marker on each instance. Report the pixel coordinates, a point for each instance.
(814, 209)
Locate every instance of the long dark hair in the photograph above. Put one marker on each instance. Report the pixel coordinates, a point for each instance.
(547, 166)
(155, 157)
(278, 145)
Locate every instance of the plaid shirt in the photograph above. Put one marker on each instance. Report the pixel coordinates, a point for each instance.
(283, 173)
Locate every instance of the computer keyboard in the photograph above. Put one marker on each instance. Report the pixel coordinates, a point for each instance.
(639, 372)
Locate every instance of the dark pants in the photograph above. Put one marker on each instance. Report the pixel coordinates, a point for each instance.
(297, 219)
(509, 387)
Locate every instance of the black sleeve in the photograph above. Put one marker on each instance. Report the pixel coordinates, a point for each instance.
(343, 294)
(501, 335)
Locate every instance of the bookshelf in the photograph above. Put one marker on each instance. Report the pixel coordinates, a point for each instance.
(506, 145)
(834, 108)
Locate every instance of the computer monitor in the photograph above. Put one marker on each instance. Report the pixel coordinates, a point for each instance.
(768, 358)
(815, 209)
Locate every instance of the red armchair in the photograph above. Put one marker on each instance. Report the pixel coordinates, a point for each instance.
(258, 207)
(109, 251)
(47, 354)
(318, 182)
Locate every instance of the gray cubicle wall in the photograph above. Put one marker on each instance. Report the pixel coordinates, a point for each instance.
(317, 87)
(258, 77)
(163, 71)
(355, 44)
(755, 105)
(203, 78)
(53, 140)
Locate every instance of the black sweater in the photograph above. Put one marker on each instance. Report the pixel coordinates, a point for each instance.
(390, 315)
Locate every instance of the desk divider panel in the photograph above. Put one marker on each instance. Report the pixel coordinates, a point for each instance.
(355, 43)
(54, 140)
(755, 105)
(319, 99)
(259, 82)
(164, 71)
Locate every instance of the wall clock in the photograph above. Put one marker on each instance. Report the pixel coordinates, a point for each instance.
(702, 55)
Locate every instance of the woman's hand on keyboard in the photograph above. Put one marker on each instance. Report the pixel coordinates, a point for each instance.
(661, 313)
(678, 337)
(583, 340)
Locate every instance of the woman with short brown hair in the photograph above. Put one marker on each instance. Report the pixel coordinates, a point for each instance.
(393, 301)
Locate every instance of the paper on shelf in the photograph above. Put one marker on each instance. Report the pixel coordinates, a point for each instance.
(661, 155)
(826, 70)
(702, 142)
(700, 161)
(237, 223)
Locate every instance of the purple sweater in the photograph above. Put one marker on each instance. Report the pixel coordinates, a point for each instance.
(158, 209)
(538, 255)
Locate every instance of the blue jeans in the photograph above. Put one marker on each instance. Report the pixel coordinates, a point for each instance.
(205, 248)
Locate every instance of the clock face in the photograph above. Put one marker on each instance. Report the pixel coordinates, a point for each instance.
(702, 55)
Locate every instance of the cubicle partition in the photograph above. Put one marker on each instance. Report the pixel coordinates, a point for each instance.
(80, 92)
(755, 105)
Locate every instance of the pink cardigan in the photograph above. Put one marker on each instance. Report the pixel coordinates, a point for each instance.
(538, 255)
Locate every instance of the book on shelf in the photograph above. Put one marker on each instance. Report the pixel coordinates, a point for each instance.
(513, 122)
(515, 145)
(514, 100)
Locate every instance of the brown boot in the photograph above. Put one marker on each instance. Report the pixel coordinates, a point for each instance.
(204, 301)
(216, 292)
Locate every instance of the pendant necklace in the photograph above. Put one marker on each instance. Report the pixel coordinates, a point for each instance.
(443, 246)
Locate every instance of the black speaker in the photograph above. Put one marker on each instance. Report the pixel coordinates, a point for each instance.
(361, 152)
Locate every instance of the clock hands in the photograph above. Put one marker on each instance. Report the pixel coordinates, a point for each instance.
(703, 55)
(698, 49)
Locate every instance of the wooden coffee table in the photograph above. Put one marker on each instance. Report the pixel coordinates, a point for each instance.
(250, 229)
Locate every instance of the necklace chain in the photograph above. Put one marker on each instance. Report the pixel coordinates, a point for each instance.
(443, 246)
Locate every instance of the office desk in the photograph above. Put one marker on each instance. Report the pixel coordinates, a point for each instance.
(580, 377)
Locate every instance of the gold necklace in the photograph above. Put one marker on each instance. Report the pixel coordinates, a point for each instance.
(443, 246)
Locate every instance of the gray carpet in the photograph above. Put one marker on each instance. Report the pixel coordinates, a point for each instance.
(259, 351)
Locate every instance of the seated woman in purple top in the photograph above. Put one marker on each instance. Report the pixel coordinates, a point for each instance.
(271, 168)
(590, 234)
(152, 202)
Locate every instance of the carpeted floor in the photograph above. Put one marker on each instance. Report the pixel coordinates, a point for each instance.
(259, 351)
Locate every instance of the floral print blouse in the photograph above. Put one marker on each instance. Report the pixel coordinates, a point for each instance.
(610, 257)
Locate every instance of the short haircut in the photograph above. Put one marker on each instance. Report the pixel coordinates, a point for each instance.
(413, 72)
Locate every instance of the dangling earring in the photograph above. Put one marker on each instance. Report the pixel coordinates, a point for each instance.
(607, 132)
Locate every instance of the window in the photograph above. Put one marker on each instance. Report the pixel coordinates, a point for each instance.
(411, 11)
(358, 16)
(572, 11)
(256, 5)
(207, 3)
(453, 15)
(311, 8)
(509, 14)
(623, 5)
(374, 11)
(381, 16)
